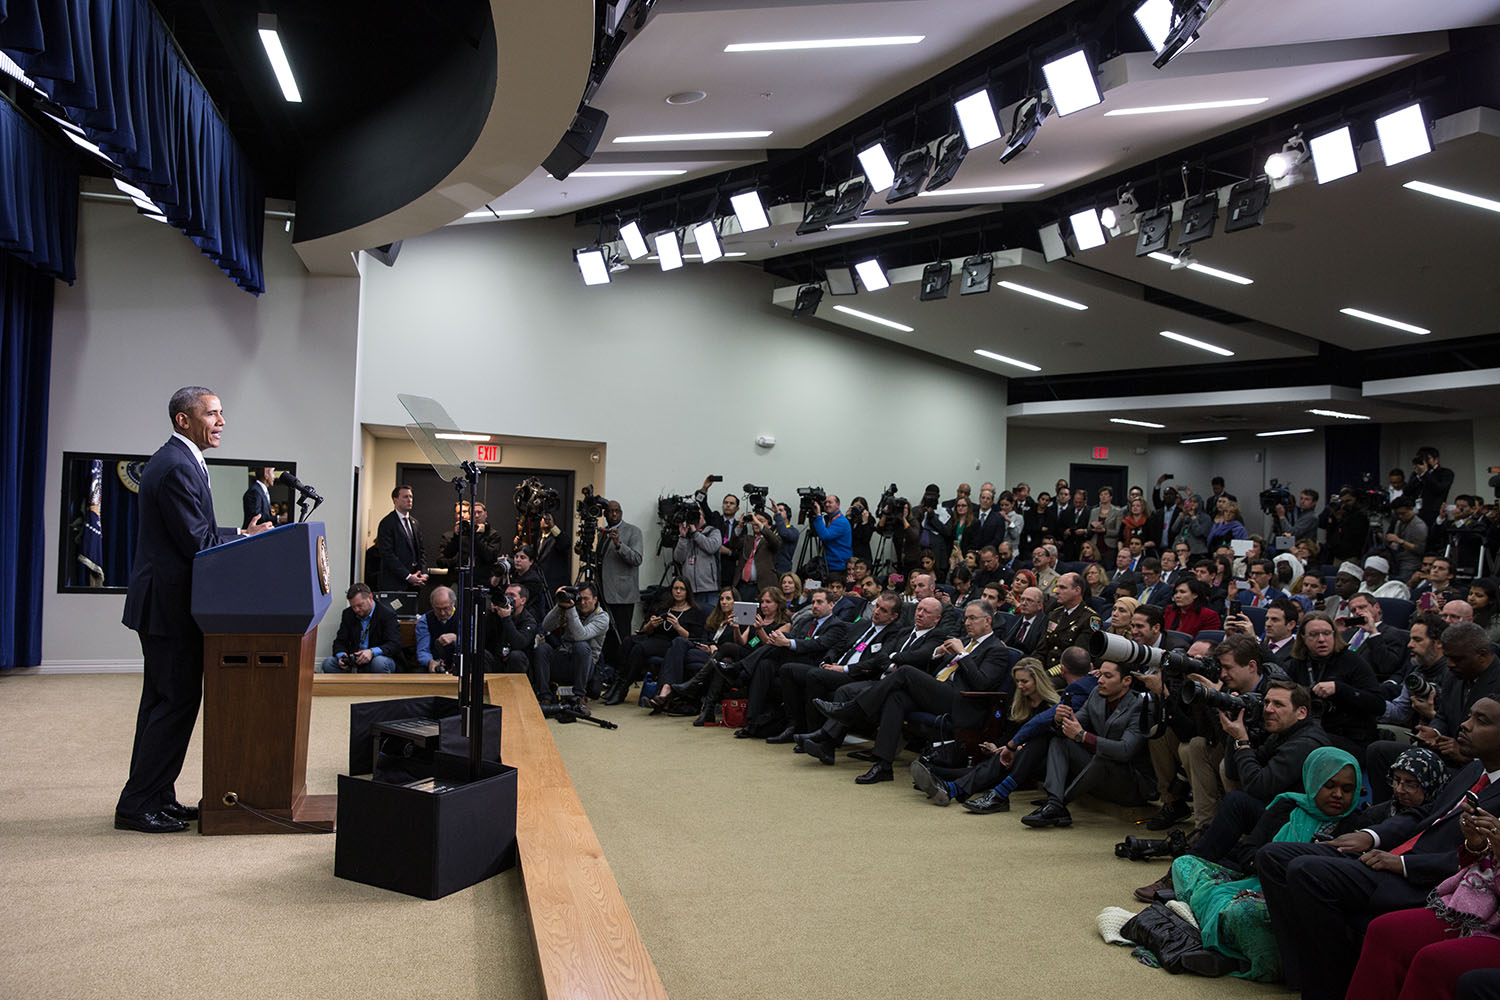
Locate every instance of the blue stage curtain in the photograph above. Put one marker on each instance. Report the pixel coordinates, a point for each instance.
(25, 364)
(38, 197)
(112, 66)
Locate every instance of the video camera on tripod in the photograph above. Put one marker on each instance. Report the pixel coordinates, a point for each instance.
(755, 496)
(1276, 494)
(889, 502)
(810, 502)
(672, 511)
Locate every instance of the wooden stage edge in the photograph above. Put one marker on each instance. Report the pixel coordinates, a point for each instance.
(587, 943)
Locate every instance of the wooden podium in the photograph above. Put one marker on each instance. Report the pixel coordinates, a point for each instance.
(259, 600)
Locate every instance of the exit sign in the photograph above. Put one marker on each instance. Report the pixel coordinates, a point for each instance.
(486, 453)
(1100, 452)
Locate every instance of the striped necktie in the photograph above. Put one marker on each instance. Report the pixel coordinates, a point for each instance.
(947, 671)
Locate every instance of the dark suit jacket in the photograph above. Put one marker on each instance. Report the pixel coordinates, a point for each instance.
(1133, 578)
(812, 648)
(987, 668)
(877, 650)
(1385, 651)
(256, 503)
(918, 654)
(398, 556)
(1033, 634)
(1151, 533)
(1159, 595)
(385, 632)
(1435, 855)
(176, 523)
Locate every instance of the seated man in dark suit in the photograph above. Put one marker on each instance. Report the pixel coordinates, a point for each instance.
(369, 638)
(1321, 896)
(915, 649)
(857, 657)
(1383, 647)
(1030, 624)
(1122, 573)
(257, 499)
(980, 664)
(1152, 589)
(815, 638)
(989, 567)
(1281, 630)
(1100, 749)
(398, 539)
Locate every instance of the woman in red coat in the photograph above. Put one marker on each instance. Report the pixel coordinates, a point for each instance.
(1190, 613)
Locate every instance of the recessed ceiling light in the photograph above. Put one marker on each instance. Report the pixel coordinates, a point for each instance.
(1384, 321)
(270, 38)
(1071, 82)
(695, 136)
(627, 173)
(451, 436)
(1087, 232)
(1007, 361)
(1044, 296)
(869, 225)
(490, 213)
(1273, 434)
(996, 189)
(1136, 423)
(823, 43)
(1212, 272)
(874, 319)
(686, 97)
(1201, 345)
(1202, 440)
(872, 275)
(1333, 155)
(1403, 135)
(1339, 415)
(1161, 109)
(976, 118)
(1449, 193)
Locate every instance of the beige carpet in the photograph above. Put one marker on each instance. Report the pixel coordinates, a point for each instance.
(751, 872)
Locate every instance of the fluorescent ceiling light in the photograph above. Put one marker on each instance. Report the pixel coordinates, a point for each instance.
(750, 211)
(1202, 440)
(1161, 109)
(1136, 423)
(635, 242)
(823, 43)
(695, 137)
(877, 167)
(1045, 296)
(996, 189)
(1452, 195)
(594, 267)
(976, 119)
(1212, 272)
(1403, 135)
(707, 239)
(697, 256)
(1086, 229)
(130, 189)
(1201, 345)
(490, 213)
(668, 251)
(1395, 324)
(1007, 361)
(869, 225)
(627, 173)
(871, 275)
(1333, 155)
(1071, 81)
(1339, 415)
(447, 436)
(1155, 20)
(1273, 434)
(156, 218)
(271, 39)
(874, 319)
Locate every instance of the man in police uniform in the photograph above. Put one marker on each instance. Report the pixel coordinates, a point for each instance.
(1068, 624)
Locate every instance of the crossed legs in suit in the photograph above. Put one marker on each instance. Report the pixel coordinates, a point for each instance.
(800, 684)
(906, 689)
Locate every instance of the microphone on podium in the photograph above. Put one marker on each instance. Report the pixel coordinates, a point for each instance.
(287, 479)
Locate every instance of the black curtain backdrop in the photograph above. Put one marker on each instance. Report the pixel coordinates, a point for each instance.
(1351, 453)
(25, 362)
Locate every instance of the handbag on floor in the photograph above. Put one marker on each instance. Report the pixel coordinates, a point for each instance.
(732, 712)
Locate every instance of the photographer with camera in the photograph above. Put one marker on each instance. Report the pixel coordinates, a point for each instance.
(862, 528)
(525, 572)
(511, 635)
(895, 522)
(697, 553)
(836, 534)
(1347, 522)
(369, 637)
(572, 639)
(1382, 646)
(1347, 698)
(453, 547)
(1429, 484)
(756, 546)
(1405, 538)
(437, 635)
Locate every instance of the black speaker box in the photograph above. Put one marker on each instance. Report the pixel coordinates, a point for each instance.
(578, 143)
(431, 837)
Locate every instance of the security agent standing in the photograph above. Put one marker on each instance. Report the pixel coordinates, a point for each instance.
(176, 522)
(619, 568)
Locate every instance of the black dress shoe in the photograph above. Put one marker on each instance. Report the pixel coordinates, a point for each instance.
(879, 771)
(149, 822)
(1051, 814)
(818, 751)
(176, 810)
(1170, 815)
(988, 801)
(785, 736)
(838, 711)
(743, 734)
(865, 755)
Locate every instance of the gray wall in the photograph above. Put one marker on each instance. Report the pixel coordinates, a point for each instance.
(677, 372)
(148, 314)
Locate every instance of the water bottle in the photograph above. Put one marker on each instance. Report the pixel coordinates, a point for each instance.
(648, 690)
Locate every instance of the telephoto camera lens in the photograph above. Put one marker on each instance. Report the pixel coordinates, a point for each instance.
(1418, 685)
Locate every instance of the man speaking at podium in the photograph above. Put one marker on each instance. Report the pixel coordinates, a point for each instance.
(176, 522)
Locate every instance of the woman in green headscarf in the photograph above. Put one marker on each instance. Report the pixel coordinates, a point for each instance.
(1228, 905)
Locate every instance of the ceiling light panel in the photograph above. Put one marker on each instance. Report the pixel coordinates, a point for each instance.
(976, 119)
(635, 241)
(1199, 344)
(668, 250)
(1403, 135)
(1394, 324)
(1136, 423)
(996, 189)
(1086, 229)
(877, 167)
(1162, 109)
(626, 173)
(824, 43)
(270, 39)
(1337, 414)
(1044, 296)
(707, 238)
(1155, 20)
(592, 265)
(870, 318)
(1295, 430)
(1071, 82)
(1450, 194)
(1212, 272)
(1025, 365)
(694, 136)
(750, 211)
(870, 225)
(871, 275)
(1204, 440)
(1333, 155)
